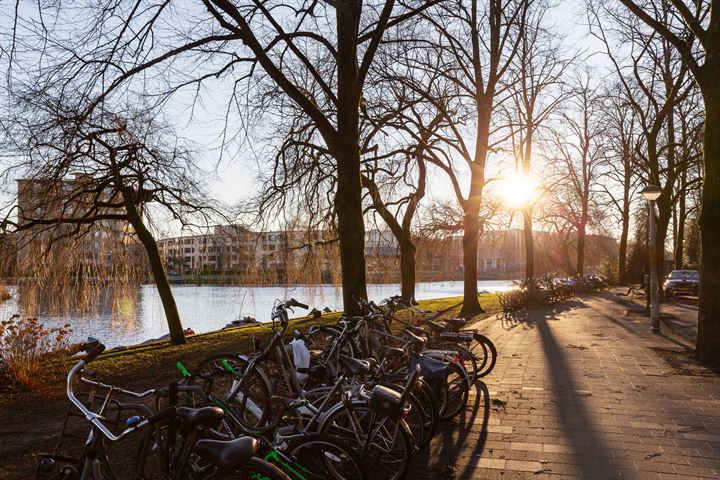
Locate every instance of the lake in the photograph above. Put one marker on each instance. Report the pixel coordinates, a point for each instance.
(134, 315)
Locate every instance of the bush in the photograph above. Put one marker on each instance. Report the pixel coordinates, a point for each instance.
(4, 293)
(26, 345)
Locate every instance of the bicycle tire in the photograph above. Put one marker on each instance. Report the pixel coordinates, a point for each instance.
(326, 456)
(490, 354)
(388, 460)
(457, 390)
(466, 358)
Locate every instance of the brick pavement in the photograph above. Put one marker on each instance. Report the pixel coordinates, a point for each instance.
(679, 313)
(583, 390)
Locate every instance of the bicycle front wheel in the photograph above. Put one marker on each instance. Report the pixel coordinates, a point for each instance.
(321, 457)
(385, 445)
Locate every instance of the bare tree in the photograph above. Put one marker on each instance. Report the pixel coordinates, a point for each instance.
(458, 67)
(126, 163)
(654, 83)
(536, 86)
(579, 149)
(620, 165)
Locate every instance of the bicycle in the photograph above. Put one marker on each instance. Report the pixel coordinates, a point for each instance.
(194, 458)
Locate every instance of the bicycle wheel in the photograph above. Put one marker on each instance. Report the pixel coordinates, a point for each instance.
(251, 403)
(456, 390)
(385, 445)
(320, 457)
(416, 419)
(466, 358)
(424, 394)
(485, 354)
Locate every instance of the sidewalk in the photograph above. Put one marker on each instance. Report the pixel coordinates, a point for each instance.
(678, 313)
(583, 390)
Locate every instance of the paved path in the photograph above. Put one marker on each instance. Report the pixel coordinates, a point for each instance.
(679, 313)
(583, 391)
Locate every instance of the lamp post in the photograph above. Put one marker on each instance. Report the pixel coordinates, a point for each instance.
(652, 193)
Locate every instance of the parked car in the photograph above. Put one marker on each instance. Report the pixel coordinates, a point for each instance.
(682, 281)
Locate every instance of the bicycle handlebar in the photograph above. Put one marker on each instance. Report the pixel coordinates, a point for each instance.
(280, 310)
(96, 349)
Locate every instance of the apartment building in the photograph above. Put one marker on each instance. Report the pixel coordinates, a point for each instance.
(276, 255)
(48, 213)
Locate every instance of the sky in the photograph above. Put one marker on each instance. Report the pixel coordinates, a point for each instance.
(236, 179)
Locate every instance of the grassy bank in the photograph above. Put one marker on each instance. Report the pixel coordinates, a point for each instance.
(31, 420)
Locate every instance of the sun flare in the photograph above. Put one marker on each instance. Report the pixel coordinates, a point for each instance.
(518, 191)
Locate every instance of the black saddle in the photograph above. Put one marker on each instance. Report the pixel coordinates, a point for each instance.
(415, 340)
(353, 366)
(227, 456)
(206, 417)
(419, 331)
(435, 326)
(316, 370)
(390, 352)
(456, 323)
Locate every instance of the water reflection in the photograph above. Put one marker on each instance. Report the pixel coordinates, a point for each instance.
(125, 315)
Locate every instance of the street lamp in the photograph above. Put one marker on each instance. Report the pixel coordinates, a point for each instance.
(652, 193)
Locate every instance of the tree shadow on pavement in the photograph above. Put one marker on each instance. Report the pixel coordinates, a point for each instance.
(526, 317)
(579, 429)
(441, 457)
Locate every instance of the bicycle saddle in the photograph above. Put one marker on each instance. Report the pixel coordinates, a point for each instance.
(205, 417)
(419, 331)
(435, 326)
(456, 323)
(391, 352)
(227, 456)
(415, 340)
(353, 366)
(315, 370)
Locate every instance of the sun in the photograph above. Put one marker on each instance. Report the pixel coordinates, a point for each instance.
(518, 191)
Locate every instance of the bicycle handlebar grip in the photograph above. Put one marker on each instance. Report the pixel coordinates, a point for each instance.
(298, 304)
(92, 354)
(160, 416)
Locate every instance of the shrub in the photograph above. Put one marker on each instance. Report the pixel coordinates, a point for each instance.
(26, 345)
(4, 293)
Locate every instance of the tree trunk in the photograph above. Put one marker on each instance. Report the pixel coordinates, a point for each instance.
(407, 268)
(580, 262)
(351, 228)
(680, 230)
(471, 303)
(529, 250)
(663, 223)
(622, 253)
(177, 335)
(348, 194)
(708, 338)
